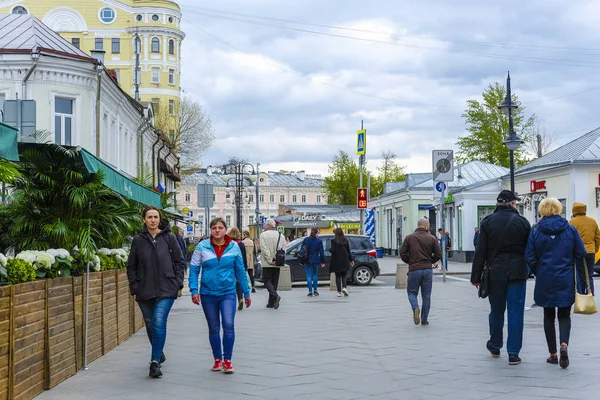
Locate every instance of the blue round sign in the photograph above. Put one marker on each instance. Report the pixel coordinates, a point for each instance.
(190, 228)
(440, 186)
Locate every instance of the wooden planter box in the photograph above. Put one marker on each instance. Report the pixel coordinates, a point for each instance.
(42, 328)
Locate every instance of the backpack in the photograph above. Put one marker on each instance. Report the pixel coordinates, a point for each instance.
(280, 254)
(448, 242)
(302, 254)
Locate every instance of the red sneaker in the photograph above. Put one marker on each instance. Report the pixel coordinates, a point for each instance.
(227, 367)
(218, 365)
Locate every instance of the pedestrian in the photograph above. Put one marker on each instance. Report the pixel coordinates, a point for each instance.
(305, 233)
(178, 232)
(502, 241)
(250, 257)
(316, 258)
(475, 237)
(155, 272)
(590, 234)
(270, 242)
(552, 250)
(236, 236)
(341, 260)
(420, 250)
(220, 262)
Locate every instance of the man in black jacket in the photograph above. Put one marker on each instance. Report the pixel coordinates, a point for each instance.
(502, 241)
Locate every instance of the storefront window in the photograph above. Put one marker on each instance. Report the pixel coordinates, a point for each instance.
(484, 211)
(564, 206)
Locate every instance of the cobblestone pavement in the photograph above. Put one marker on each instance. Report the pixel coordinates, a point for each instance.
(364, 346)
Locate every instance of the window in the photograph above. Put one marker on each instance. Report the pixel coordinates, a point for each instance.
(304, 198)
(171, 76)
(107, 15)
(228, 220)
(19, 10)
(170, 20)
(171, 47)
(213, 217)
(294, 199)
(171, 107)
(155, 18)
(63, 121)
(251, 220)
(282, 198)
(564, 206)
(214, 199)
(116, 46)
(251, 198)
(99, 44)
(262, 198)
(155, 75)
(139, 18)
(188, 197)
(318, 198)
(76, 42)
(272, 198)
(155, 45)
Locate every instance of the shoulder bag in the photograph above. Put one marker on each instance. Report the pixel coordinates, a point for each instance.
(484, 285)
(584, 303)
(279, 254)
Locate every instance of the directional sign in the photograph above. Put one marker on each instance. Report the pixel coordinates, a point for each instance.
(440, 186)
(185, 210)
(362, 198)
(361, 142)
(280, 229)
(190, 228)
(443, 165)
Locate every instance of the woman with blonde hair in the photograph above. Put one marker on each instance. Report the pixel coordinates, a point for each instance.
(551, 252)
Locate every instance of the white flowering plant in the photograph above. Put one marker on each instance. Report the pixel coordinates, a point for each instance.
(3, 273)
(113, 258)
(48, 264)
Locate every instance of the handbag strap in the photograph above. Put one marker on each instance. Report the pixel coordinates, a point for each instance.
(587, 276)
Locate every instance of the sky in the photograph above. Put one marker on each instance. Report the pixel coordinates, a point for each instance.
(289, 98)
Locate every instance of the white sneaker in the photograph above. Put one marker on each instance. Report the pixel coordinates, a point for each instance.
(339, 294)
(345, 291)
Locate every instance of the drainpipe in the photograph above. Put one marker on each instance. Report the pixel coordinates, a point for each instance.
(98, 86)
(158, 163)
(154, 159)
(175, 195)
(143, 128)
(35, 55)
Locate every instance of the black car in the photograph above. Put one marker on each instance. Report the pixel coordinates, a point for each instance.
(363, 251)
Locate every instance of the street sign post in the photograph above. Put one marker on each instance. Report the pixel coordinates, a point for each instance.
(443, 171)
(361, 198)
(361, 142)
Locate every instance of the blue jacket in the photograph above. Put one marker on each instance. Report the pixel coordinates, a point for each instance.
(218, 275)
(316, 254)
(551, 251)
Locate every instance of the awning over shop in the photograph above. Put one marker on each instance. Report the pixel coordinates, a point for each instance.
(9, 149)
(119, 182)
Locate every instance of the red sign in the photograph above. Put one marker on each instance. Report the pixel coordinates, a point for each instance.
(534, 186)
(361, 197)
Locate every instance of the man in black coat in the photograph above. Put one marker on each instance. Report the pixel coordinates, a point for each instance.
(502, 241)
(476, 237)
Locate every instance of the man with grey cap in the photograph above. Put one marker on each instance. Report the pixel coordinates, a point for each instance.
(502, 241)
(270, 242)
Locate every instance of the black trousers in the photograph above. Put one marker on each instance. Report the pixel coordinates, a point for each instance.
(271, 280)
(564, 326)
(251, 275)
(340, 280)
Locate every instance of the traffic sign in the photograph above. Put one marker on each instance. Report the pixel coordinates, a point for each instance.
(185, 210)
(280, 229)
(361, 142)
(362, 198)
(440, 186)
(190, 228)
(443, 165)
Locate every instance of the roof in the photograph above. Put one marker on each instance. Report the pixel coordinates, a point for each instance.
(275, 180)
(469, 174)
(25, 33)
(584, 149)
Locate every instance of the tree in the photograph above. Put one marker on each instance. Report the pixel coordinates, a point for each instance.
(389, 171)
(189, 129)
(343, 180)
(488, 128)
(541, 142)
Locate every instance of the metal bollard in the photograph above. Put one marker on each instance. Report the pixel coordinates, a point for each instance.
(401, 275)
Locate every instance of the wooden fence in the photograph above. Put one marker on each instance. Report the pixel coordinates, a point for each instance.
(42, 329)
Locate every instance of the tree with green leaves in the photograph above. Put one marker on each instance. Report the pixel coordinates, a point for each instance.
(389, 171)
(343, 180)
(487, 129)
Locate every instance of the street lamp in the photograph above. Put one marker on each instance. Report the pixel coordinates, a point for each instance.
(513, 142)
(242, 175)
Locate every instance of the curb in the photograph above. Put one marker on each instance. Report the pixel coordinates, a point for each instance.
(435, 273)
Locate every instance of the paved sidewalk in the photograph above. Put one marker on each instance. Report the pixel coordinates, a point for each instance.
(387, 266)
(361, 347)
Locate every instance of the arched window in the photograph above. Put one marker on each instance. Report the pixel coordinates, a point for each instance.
(171, 46)
(19, 10)
(155, 45)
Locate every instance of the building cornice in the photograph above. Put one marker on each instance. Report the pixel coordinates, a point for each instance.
(144, 8)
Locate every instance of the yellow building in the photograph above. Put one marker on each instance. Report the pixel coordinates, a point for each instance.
(113, 26)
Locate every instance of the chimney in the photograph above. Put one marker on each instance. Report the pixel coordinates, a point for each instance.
(98, 55)
(301, 175)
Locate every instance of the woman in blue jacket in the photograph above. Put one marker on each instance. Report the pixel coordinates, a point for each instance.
(220, 260)
(316, 257)
(551, 251)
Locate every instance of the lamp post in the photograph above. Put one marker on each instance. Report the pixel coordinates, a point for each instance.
(240, 173)
(513, 142)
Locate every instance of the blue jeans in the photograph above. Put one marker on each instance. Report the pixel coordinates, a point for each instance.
(423, 279)
(312, 277)
(581, 285)
(217, 308)
(508, 296)
(156, 312)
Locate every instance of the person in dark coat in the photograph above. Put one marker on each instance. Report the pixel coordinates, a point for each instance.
(553, 248)
(178, 232)
(235, 234)
(316, 258)
(155, 270)
(341, 260)
(476, 237)
(502, 241)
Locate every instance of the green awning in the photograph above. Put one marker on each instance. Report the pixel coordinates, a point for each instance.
(8, 142)
(120, 183)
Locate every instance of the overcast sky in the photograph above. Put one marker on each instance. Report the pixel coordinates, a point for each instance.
(290, 99)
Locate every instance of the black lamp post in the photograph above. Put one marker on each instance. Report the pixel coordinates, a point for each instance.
(242, 174)
(513, 142)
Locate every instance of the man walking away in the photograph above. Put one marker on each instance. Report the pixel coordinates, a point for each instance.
(420, 250)
(476, 237)
(502, 241)
(590, 234)
(270, 242)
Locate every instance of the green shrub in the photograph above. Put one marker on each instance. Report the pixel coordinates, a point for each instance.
(19, 271)
(107, 263)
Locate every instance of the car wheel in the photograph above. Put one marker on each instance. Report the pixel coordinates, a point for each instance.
(362, 276)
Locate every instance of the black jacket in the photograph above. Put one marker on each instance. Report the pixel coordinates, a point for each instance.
(502, 246)
(155, 266)
(340, 257)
